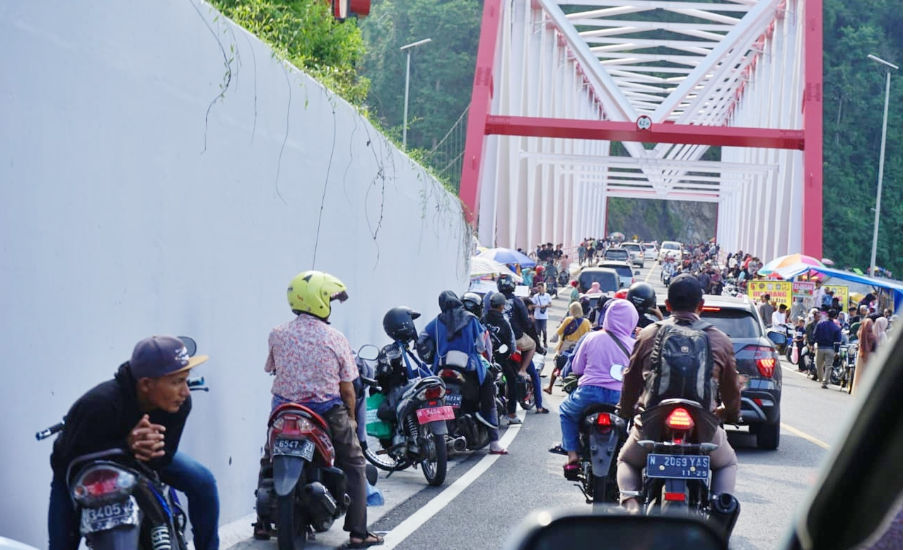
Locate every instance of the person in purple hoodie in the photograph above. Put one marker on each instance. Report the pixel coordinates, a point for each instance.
(600, 362)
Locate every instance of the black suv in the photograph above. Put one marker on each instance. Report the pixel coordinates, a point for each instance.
(758, 364)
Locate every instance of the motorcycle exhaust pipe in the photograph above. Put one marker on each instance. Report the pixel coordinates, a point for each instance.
(724, 510)
(457, 445)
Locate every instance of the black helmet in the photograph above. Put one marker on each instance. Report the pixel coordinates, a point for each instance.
(642, 296)
(399, 323)
(505, 284)
(473, 303)
(497, 299)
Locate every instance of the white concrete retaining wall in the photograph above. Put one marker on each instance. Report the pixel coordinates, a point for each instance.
(123, 213)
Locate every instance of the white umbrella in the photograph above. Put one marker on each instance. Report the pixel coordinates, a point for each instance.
(485, 266)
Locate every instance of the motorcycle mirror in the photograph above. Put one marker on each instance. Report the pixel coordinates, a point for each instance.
(369, 352)
(190, 344)
(549, 530)
(776, 338)
(503, 348)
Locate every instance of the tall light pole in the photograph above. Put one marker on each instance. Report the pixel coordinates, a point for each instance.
(872, 258)
(407, 50)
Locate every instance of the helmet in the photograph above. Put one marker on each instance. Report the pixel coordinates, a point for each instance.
(642, 296)
(473, 303)
(399, 323)
(505, 284)
(312, 291)
(497, 299)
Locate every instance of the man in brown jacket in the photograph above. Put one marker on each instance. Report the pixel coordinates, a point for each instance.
(685, 302)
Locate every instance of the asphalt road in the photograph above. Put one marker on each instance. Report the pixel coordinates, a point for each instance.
(485, 498)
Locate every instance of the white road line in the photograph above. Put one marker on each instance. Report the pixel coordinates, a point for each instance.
(440, 501)
(650, 273)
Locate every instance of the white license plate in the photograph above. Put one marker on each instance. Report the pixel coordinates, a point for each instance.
(109, 516)
(303, 448)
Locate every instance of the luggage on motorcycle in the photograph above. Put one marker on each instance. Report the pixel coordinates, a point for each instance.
(375, 426)
(681, 365)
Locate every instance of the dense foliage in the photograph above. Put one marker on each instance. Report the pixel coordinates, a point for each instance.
(305, 34)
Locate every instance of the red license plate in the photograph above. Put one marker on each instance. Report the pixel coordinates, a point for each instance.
(435, 413)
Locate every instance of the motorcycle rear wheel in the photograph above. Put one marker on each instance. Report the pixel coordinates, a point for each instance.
(526, 397)
(383, 462)
(435, 470)
(291, 532)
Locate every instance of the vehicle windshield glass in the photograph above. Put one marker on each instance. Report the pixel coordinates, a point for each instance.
(608, 281)
(736, 323)
(622, 270)
(617, 254)
(670, 246)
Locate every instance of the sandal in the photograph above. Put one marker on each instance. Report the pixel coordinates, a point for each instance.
(541, 410)
(558, 450)
(365, 542)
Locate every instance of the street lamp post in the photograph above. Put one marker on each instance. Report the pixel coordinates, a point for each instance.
(872, 259)
(407, 50)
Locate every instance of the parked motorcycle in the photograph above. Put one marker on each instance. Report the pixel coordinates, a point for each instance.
(677, 433)
(602, 434)
(121, 502)
(466, 431)
(803, 357)
(413, 410)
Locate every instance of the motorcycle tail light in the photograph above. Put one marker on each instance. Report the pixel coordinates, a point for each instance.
(101, 484)
(604, 422)
(431, 394)
(680, 419)
(290, 424)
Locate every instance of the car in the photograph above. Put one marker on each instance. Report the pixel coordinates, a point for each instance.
(650, 250)
(617, 254)
(636, 251)
(625, 272)
(669, 248)
(759, 368)
(607, 278)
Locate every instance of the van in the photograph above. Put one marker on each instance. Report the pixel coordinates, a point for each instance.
(670, 248)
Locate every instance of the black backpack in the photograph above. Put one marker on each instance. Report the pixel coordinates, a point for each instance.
(681, 364)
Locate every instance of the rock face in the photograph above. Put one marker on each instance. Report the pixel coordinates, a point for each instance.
(690, 222)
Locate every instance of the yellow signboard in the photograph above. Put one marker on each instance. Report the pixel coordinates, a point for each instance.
(778, 291)
(841, 292)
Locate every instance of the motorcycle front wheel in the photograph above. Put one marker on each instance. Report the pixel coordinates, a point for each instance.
(526, 397)
(435, 469)
(376, 455)
(291, 530)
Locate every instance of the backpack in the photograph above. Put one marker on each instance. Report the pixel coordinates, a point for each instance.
(681, 364)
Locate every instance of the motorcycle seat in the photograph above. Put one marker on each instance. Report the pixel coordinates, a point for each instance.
(596, 408)
(300, 409)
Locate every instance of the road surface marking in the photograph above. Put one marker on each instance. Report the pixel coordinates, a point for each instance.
(440, 501)
(650, 273)
(809, 438)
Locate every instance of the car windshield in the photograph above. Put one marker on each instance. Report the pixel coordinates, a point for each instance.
(617, 254)
(608, 281)
(736, 323)
(622, 270)
(670, 246)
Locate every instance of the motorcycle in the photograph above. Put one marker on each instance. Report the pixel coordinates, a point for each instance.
(562, 280)
(804, 357)
(602, 434)
(466, 431)
(414, 411)
(527, 396)
(121, 502)
(677, 475)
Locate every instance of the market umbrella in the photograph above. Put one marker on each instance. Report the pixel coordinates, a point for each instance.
(784, 262)
(507, 256)
(617, 236)
(485, 266)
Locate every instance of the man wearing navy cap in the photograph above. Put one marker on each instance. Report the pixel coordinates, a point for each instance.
(142, 411)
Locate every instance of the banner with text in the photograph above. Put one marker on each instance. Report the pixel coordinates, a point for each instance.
(778, 291)
(841, 292)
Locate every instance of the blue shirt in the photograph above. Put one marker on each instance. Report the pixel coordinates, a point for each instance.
(470, 340)
(827, 333)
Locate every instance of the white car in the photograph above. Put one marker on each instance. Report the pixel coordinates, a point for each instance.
(636, 252)
(650, 251)
(670, 248)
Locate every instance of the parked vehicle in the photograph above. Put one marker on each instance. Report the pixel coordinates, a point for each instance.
(413, 412)
(602, 434)
(757, 361)
(804, 357)
(122, 503)
(466, 432)
(677, 475)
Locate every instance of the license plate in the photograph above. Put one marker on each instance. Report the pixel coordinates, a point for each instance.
(678, 466)
(453, 400)
(303, 448)
(109, 516)
(433, 414)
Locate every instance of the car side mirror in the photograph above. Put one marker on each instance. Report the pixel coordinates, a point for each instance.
(551, 530)
(776, 338)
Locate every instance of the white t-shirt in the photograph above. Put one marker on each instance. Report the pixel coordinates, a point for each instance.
(778, 318)
(541, 301)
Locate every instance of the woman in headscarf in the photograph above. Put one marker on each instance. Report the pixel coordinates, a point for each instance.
(600, 361)
(460, 340)
(866, 344)
(880, 329)
(567, 335)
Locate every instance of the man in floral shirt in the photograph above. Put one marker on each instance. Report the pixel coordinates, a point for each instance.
(313, 366)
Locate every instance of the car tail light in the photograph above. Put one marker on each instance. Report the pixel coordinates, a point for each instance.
(290, 424)
(679, 419)
(764, 357)
(102, 484)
